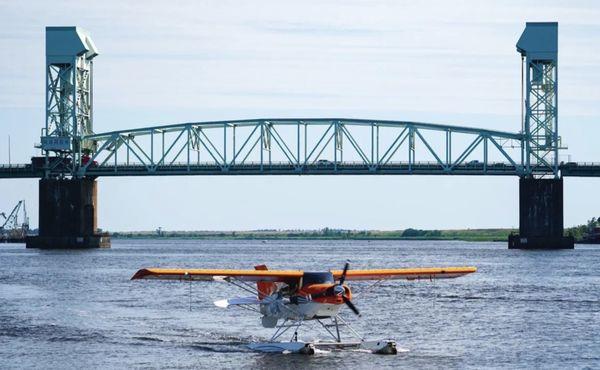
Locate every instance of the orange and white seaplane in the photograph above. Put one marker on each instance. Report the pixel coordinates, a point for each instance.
(296, 296)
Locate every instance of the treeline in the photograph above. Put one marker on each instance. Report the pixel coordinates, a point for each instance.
(581, 233)
(329, 233)
(417, 233)
(584, 231)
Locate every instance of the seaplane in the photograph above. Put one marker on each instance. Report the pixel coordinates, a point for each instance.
(287, 299)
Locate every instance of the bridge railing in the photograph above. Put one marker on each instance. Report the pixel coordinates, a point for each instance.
(14, 166)
(302, 144)
(580, 164)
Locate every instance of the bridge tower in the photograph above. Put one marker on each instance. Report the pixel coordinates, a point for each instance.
(68, 204)
(69, 79)
(540, 199)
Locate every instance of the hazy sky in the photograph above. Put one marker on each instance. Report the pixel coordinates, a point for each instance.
(179, 61)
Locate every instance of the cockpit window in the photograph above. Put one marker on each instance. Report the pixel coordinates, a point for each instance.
(317, 278)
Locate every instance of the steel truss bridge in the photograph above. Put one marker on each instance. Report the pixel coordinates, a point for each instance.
(298, 146)
(294, 146)
(304, 146)
(313, 146)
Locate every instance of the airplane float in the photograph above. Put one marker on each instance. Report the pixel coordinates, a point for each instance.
(295, 297)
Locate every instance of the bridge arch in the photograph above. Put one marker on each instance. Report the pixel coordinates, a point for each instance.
(308, 146)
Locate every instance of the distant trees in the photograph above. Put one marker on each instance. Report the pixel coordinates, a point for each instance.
(593, 223)
(417, 233)
(579, 232)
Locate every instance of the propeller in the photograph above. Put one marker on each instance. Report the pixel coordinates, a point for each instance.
(339, 289)
(343, 277)
(350, 305)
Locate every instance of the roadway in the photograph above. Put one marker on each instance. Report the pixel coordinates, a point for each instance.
(570, 169)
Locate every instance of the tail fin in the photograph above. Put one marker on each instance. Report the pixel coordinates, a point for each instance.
(265, 288)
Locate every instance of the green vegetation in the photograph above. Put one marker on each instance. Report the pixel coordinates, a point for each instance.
(582, 232)
(327, 233)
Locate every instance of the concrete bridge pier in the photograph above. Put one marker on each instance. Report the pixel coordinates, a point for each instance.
(67, 215)
(540, 216)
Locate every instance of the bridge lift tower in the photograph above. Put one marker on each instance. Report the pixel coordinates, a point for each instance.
(540, 199)
(67, 217)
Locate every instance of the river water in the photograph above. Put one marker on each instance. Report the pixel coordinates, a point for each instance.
(78, 309)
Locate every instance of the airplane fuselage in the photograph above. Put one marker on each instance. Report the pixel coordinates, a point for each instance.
(308, 310)
(311, 301)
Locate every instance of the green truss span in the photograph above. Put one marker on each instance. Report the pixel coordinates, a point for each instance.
(301, 146)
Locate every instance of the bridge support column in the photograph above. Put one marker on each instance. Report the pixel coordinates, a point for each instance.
(67, 215)
(540, 216)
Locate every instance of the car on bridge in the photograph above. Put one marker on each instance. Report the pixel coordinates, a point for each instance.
(324, 163)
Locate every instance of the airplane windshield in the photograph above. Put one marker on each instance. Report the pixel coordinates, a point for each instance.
(317, 278)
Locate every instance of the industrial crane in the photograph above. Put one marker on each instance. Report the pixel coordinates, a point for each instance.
(10, 229)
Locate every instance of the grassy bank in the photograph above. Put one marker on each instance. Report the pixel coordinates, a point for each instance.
(326, 233)
(580, 232)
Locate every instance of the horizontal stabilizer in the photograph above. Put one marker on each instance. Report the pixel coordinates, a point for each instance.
(224, 303)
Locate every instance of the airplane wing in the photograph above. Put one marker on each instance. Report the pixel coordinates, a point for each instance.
(284, 276)
(406, 273)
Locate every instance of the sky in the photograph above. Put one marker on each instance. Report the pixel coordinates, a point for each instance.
(164, 62)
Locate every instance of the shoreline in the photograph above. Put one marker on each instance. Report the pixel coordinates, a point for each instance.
(311, 238)
(491, 235)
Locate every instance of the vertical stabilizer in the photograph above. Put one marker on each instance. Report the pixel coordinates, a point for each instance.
(264, 288)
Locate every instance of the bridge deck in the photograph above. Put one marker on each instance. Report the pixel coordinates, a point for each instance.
(582, 169)
(329, 168)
